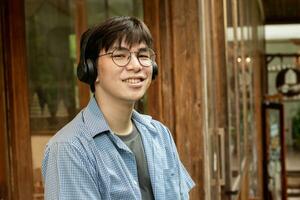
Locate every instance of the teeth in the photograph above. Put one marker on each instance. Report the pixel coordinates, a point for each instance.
(133, 80)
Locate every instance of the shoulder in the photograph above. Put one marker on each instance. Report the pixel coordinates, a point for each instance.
(70, 134)
(67, 145)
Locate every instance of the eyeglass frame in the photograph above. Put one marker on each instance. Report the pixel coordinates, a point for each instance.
(135, 52)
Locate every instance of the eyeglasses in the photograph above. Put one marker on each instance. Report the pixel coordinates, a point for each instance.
(122, 56)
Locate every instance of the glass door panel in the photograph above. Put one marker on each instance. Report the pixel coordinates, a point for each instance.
(241, 80)
(51, 39)
(232, 99)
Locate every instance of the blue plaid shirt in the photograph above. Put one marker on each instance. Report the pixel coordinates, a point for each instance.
(85, 160)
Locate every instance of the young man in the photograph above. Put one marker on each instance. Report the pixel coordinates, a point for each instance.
(110, 151)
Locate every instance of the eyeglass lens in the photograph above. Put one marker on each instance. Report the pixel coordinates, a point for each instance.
(122, 56)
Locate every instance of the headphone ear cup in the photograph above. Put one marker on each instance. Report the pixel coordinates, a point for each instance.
(86, 72)
(154, 70)
(82, 72)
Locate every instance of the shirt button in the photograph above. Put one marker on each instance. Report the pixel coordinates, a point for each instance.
(135, 183)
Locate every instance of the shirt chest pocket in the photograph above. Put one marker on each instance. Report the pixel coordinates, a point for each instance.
(171, 183)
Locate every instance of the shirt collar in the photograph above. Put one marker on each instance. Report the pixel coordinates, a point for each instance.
(94, 119)
(144, 120)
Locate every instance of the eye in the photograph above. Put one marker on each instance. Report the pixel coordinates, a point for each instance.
(120, 54)
(144, 55)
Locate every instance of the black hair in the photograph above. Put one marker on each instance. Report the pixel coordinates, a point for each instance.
(131, 30)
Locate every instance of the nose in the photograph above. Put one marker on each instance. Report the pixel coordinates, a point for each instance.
(134, 63)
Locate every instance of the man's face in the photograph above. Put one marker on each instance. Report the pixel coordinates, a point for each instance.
(127, 84)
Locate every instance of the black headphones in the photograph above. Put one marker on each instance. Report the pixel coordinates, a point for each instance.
(86, 69)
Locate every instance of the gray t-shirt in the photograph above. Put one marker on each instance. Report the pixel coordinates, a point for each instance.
(135, 144)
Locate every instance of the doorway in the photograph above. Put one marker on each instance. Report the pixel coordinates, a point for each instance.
(274, 152)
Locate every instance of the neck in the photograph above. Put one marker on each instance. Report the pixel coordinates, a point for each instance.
(117, 114)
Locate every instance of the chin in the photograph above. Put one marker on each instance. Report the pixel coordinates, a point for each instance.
(134, 99)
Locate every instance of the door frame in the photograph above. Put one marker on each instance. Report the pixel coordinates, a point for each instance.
(265, 142)
(18, 148)
(4, 169)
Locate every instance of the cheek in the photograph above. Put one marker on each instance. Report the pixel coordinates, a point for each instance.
(149, 71)
(106, 70)
(99, 69)
(102, 72)
(149, 75)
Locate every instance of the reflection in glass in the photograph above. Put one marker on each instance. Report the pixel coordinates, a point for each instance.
(241, 123)
(51, 55)
(232, 95)
(51, 62)
(241, 77)
(253, 160)
(241, 110)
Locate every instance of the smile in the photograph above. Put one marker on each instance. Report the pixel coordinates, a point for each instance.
(133, 80)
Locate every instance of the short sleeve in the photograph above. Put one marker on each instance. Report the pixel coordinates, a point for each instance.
(67, 174)
(186, 182)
